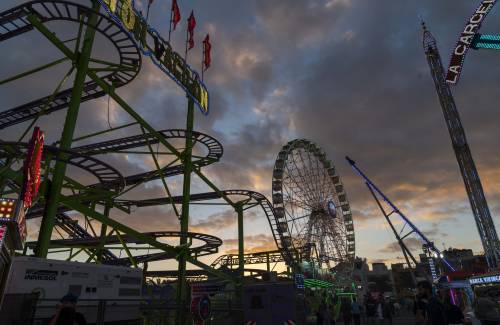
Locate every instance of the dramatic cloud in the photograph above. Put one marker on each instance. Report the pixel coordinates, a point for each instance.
(349, 75)
(253, 244)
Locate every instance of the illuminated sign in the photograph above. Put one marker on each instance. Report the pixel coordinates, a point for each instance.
(485, 279)
(151, 44)
(32, 168)
(432, 267)
(7, 209)
(482, 41)
(466, 39)
(3, 234)
(315, 283)
(13, 217)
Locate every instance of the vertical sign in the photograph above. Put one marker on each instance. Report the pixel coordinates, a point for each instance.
(3, 234)
(32, 168)
(466, 39)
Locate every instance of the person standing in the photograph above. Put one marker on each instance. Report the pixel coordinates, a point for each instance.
(346, 311)
(454, 314)
(387, 311)
(380, 309)
(66, 313)
(321, 314)
(428, 309)
(356, 312)
(486, 310)
(370, 309)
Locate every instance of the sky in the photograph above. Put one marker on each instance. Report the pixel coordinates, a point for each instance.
(349, 75)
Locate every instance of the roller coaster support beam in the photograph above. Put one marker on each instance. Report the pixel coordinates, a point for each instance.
(406, 251)
(241, 245)
(82, 63)
(241, 251)
(77, 206)
(104, 229)
(188, 168)
(375, 189)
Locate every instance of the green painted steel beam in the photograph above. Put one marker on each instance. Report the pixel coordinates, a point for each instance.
(182, 300)
(103, 132)
(160, 171)
(127, 251)
(104, 229)
(77, 206)
(81, 63)
(241, 253)
(27, 73)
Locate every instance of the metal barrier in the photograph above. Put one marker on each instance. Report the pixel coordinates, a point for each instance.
(27, 309)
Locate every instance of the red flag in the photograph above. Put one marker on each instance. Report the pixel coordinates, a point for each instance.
(207, 48)
(176, 14)
(191, 26)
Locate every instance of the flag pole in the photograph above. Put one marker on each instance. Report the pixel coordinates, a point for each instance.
(147, 12)
(170, 25)
(202, 61)
(186, 52)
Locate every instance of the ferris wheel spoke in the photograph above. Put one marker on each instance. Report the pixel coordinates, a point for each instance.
(297, 204)
(308, 179)
(304, 193)
(316, 177)
(295, 222)
(295, 199)
(303, 178)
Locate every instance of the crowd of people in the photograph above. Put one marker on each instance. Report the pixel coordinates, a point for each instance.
(429, 308)
(439, 308)
(373, 311)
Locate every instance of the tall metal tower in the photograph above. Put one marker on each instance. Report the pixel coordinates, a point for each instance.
(484, 222)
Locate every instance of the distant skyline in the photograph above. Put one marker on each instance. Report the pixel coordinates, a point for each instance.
(349, 75)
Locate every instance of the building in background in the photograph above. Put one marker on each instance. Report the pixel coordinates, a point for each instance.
(404, 285)
(465, 260)
(380, 280)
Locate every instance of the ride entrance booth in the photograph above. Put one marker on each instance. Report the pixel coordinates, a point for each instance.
(486, 286)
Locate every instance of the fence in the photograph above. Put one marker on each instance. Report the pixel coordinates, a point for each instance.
(27, 309)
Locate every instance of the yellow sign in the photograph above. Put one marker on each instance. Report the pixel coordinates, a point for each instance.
(160, 52)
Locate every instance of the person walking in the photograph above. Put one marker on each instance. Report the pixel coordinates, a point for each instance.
(387, 311)
(356, 312)
(370, 310)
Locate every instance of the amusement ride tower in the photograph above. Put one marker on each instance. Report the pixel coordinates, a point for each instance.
(484, 222)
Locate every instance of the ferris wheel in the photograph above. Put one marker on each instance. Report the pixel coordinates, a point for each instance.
(311, 207)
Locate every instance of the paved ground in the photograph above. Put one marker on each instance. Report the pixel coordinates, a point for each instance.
(402, 319)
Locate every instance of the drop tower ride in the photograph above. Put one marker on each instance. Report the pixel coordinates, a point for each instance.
(484, 222)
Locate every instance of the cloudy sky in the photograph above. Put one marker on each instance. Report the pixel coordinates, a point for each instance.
(349, 75)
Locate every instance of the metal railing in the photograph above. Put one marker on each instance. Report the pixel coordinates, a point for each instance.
(27, 309)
